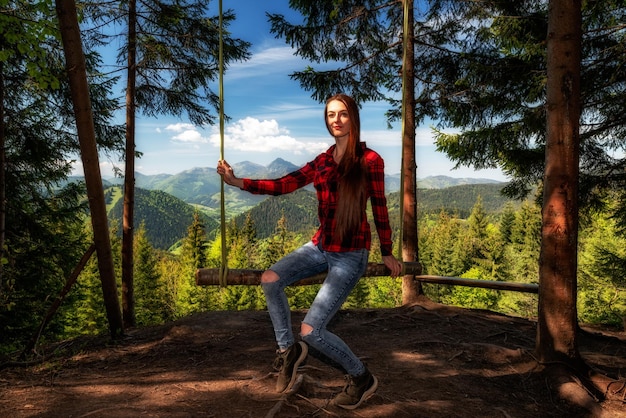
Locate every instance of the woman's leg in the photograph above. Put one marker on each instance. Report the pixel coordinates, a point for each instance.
(344, 271)
(304, 262)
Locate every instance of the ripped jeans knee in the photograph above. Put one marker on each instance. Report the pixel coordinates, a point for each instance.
(305, 329)
(269, 276)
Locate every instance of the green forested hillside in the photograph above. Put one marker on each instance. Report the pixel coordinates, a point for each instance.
(461, 199)
(300, 208)
(194, 186)
(442, 182)
(166, 217)
(201, 187)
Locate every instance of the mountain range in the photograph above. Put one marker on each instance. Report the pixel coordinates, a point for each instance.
(165, 203)
(201, 185)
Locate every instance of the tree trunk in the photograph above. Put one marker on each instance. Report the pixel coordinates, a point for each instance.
(128, 288)
(557, 323)
(79, 88)
(411, 288)
(3, 165)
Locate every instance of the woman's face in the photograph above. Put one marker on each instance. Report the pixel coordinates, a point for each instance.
(338, 119)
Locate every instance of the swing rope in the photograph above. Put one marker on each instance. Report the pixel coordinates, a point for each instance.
(224, 266)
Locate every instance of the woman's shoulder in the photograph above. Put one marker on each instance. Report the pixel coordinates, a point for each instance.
(322, 157)
(369, 154)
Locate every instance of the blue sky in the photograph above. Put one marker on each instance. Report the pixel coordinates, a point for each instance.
(271, 116)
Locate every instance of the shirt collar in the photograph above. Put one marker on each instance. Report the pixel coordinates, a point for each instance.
(330, 150)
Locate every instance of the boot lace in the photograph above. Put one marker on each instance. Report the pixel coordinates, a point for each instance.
(279, 362)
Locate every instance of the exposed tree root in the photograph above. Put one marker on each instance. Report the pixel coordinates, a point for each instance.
(583, 387)
(284, 400)
(611, 389)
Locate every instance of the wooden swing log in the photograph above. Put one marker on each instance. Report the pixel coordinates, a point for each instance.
(248, 277)
(211, 277)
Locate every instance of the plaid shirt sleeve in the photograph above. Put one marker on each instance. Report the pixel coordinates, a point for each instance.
(376, 185)
(286, 184)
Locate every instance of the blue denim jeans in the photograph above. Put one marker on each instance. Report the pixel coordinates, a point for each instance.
(344, 271)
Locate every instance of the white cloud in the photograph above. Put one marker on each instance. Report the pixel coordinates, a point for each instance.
(190, 136)
(106, 168)
(187, 133)
(265, 62)
(254, 135)
(271, 60)
(180, 127)
(287, 111)
(273, 54)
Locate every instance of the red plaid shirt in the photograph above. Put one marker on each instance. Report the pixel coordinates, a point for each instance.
(322, 172)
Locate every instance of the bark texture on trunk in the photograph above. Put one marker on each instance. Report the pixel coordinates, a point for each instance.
(79, 88)
(557, 324)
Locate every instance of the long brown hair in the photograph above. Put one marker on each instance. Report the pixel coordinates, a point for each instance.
(352, 189)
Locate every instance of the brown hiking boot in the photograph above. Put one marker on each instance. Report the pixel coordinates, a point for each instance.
(357, 390)
(287, 365)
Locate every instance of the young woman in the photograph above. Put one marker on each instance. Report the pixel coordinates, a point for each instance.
(344, 176)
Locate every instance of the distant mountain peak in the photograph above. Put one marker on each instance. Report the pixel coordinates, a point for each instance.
(280, 167)
(280, 161)
(249, 169)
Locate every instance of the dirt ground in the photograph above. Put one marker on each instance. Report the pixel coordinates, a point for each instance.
(431, 361)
